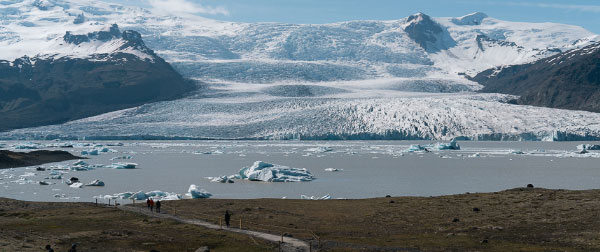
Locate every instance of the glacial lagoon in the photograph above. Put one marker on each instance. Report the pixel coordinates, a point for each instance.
(366, 168)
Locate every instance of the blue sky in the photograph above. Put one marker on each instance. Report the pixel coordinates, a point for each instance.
(585, 13)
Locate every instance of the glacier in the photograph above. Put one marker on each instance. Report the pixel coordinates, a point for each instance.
(353, 80)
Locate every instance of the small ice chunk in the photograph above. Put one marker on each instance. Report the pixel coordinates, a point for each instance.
(263, 171)
(448, 146)
(76, 185)
(588, 147)
(320, 149)
(517, 152)
(44, 183)
(121, 157)
(221, 179)
(139, 196)
(333, 169)
(415, 148)
(122, 165)
(96, 182)
(324, 197)
(197, 193)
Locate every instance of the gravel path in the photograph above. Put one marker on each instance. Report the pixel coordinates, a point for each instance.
(289, 244)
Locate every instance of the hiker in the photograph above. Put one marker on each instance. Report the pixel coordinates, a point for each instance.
(158, 206)
(73, 248)
(227, 217)
(49, 248)
(148, 202)
(151, 205)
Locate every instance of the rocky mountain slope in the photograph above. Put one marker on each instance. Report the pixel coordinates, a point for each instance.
(569, 80)
(86, 75)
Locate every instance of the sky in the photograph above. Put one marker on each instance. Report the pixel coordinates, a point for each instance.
(585, 13)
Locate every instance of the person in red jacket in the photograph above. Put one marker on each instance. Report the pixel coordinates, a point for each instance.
(151, 205)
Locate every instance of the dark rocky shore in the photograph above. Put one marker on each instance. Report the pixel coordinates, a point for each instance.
(10, 159)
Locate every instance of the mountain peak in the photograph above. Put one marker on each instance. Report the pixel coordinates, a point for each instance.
(429, 34)
(474, 18)
(418, 18)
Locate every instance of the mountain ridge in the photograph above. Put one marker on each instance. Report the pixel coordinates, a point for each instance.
(53, 89)
(569, 80)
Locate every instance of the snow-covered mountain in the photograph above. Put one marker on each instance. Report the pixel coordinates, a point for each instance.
(85, 75)
(209, 49)
(397, 79)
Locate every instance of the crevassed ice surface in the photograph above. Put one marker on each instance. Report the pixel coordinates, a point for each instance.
(478, 117)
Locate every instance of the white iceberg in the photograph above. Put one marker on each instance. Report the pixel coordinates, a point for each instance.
(96, 183)
(320, 149)
(76, 185)
(588, 147)
(452, 145)
(333, 169)
(263, 171)
(140, 195)
(415, 148)
(222, 179)
(122, 165)
(121, 157)
(324, 197)
(196, 193)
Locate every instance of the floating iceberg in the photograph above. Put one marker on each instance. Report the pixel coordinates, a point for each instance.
(43, 183)
(96, 183)
(26, 146)
(196, 193)
(122, 165)
(263, 171)
(89, 152)
(448, 146)
(76, 185)
(588, 147)
(324, 197)
(140, 195)
(415, 147)
(121, 157)
(320, 149)
(517, 152)
(222, 179)
(55, 177)
(333, 169)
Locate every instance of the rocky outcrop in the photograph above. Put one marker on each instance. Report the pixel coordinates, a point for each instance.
(46, 90)
(569, 80)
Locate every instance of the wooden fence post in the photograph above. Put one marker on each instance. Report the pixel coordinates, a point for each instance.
(240, 223)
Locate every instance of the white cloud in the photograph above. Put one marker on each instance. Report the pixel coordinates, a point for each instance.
(180, 7)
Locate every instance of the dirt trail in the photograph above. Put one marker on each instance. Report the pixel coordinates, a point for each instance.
(289, 244)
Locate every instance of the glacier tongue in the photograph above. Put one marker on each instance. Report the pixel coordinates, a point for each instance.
(439, 117)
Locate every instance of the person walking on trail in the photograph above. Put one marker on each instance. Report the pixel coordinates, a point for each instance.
(158, 206)
(73, 248)
(148, 202)
(49, 248)
(227, 217)
(151, 205)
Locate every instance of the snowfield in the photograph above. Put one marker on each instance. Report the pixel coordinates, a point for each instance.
(347, 80)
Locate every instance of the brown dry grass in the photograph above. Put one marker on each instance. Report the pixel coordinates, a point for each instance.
(513, 220)
(29, 226)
